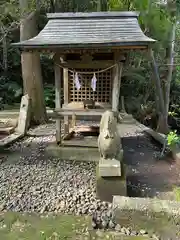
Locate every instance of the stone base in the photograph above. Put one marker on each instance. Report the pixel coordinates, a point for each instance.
(111, 167)
(73, 153)
(107, 187)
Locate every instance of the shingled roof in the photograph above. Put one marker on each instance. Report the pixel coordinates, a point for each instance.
(89, 30)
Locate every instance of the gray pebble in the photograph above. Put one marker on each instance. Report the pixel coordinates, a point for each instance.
(118, 228)
(94, 224)
(111, 224)
(142, 232)
(104, 224)
(123, 230)
(134, 233)
(128, 232)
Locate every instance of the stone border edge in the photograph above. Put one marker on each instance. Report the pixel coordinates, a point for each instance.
(146, 204)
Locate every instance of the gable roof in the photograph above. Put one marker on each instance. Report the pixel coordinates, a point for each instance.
(88, 30)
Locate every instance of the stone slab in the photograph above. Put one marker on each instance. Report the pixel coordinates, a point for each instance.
(107, 187)
(73, 153)
(109, 168)
(24, 115)
(114, 235)
(10, 139)
(143, 204)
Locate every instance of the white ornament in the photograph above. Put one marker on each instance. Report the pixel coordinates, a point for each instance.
(76, 80)
(93, 83)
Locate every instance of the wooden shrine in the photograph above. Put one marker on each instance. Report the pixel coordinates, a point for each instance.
(87, 45)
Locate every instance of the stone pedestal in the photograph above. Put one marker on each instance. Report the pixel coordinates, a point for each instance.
(111, 167)
(109, 186)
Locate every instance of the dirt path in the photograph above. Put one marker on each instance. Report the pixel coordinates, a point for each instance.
(147, 176)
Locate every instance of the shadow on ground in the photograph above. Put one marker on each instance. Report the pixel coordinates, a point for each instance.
(146, 175)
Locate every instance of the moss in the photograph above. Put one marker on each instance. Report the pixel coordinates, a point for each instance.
(159, 223)
(18, 226)
(176, 191)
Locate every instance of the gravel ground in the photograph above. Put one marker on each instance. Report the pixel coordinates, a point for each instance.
(31, 181)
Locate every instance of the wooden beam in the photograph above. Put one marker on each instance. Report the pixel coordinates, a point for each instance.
(78, 117)
(57, 71)
(85, 142)
(116, 86)
(66, 99)
(66, 86)
(79, 64)
(77, 112)
(73, 121)
(85, 49)
(63, 52)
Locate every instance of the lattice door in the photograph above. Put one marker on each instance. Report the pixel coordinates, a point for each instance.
(103, 86)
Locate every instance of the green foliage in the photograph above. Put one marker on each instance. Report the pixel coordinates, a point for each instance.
(176, 191)
(49, 94)
(173, 139)
(10, 91)
(34, 226)
(137, 83)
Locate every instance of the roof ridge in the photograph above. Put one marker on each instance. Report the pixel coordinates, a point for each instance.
(109, 14)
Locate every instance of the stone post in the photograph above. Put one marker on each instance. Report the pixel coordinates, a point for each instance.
(111, 177)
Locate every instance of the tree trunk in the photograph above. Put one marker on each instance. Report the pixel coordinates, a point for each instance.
(170, 62)
(31, 67)
(163, 120)
(102, 5)
(57, 6)
(157, 82)
(5, 50)
(98, 5)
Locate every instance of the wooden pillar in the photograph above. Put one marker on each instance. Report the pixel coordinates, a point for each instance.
(57, 73)
(66, 99)
(66, 86)
(116, 86)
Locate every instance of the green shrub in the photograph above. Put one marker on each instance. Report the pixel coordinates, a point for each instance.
(49, 95)
(10, 91)
(173, 139)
